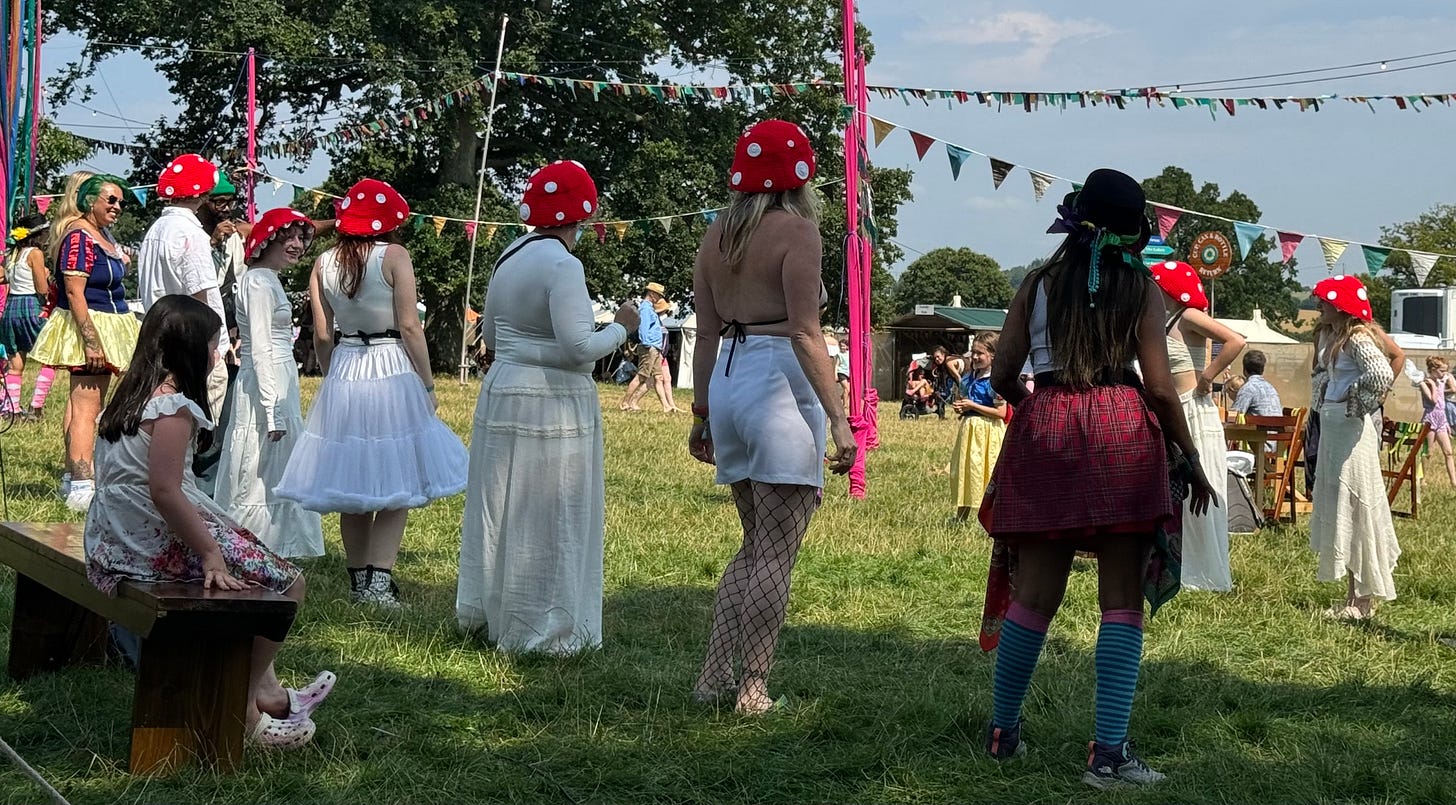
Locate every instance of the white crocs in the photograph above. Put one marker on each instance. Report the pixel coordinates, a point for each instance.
(281, 733)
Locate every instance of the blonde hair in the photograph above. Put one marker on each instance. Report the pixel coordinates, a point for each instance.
(1436, 363)
(66, 211)
(1338, 335)
(988, 339)
(746, 210)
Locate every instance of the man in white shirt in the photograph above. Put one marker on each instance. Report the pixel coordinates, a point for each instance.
(175, 257)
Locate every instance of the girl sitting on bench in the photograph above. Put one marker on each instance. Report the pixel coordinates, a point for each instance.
(149, 522)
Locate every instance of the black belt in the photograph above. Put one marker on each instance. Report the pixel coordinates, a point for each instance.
(365, 337)
(1108, 377)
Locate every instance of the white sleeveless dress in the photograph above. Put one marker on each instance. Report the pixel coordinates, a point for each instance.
(372, 442)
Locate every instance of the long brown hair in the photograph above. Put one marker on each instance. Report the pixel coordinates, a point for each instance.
(351, 253)
(745, 210)
(1336, 336)
(1091, 333)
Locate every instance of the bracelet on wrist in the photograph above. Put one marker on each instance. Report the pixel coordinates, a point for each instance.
(430, 388)
(700, 410)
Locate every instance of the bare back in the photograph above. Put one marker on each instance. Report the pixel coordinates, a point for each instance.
(765, 288)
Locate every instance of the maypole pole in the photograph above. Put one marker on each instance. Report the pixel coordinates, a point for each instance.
(859, 297)
(250, 181)
(500, 50)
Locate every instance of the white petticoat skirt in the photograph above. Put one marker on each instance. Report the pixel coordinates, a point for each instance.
(1206, 537)
(372, 442)
(1351, 527)
(764, 418)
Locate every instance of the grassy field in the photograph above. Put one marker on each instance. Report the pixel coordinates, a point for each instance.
(1245, 697)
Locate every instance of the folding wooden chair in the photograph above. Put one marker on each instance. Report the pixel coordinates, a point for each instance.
(1286, 433)
(1402, 443)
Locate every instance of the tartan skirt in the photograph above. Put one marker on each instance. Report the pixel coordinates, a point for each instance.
(1079, 466)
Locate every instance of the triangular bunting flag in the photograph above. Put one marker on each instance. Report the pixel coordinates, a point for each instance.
(439, 224)
(490, 232)
(298, 193)
(1422, 263)
(601, 230)
(1076, 187)
(43, 203)
(1333, 249)
(1167, 218)
(922, 143)
(141, 195)
(1288, 242)
(710, 215)
(666, 224)
(1247, 233)
(620, 227)
(882, 129)
(417, 222)
(1374, 258)
(470, 230)
(958, 157)
(1039, 183)
(277, 185)
(999, 171)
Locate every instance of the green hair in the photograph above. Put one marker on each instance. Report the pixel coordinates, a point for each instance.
(91, 188)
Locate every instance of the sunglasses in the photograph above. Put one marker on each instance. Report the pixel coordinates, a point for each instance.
(112, 200)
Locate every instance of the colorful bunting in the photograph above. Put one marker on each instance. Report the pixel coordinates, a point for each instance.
(922, 144)
(470, 230)
(882, 129)
(620, 227)
(439, 224)
(141, 195)
(43, 203)
(1422, 263)
(1247, 233)
(1375, 257)
(958, 157)
(1288, 242)
(1167, 218)
(710, 215)
(1039, 183)
(601, 230)
(666, 224)
(1332, 249)
(1000, 169)
(490, 232)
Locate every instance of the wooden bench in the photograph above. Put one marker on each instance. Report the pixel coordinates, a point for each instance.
(191, 691)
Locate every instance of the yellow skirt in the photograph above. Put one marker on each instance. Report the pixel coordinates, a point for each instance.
(978, 445)
(59, 343)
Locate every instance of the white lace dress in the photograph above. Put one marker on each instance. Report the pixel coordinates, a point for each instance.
(265, 399)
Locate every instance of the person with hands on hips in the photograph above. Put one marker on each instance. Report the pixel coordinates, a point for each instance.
(760, 401)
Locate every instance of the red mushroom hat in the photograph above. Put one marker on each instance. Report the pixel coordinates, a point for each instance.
(559, 194)
(1180, 281)
(772, 156)
(371, 207)
(271, 225)
(1347, 294)
(187, 176)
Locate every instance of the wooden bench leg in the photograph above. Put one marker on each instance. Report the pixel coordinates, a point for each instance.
(191, 697)
(48, 631)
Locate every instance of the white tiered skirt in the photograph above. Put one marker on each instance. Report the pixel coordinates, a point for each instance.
(372, 442)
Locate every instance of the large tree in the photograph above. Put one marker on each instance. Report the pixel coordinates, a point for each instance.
(1433, 231)
(327, 65)
(1254, 281)
(941, 274)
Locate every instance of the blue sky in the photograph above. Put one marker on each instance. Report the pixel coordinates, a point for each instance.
(1342, 172)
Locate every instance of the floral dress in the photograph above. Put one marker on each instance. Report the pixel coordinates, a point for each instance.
(127, 538)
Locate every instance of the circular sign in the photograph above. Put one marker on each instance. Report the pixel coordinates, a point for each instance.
(1211, 255)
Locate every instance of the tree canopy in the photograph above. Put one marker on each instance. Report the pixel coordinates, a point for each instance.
(937, 276)
(1254, 281)
(326, 65)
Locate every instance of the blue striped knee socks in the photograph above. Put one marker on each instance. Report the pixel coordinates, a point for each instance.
(1022, 635)
(1119, 657)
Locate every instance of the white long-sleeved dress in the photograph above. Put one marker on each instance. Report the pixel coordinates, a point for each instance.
(535, 503)
(265, 399)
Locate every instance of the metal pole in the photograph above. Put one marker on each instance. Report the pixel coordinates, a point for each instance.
(479, 194)
(250, 181)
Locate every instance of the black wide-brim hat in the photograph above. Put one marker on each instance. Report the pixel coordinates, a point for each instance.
(1115, 201)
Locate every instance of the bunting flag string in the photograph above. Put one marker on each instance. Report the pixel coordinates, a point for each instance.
(1168, 214)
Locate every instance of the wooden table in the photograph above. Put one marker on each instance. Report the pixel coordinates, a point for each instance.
(1254, 438)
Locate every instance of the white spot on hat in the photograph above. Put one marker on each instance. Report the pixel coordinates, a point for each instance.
(550, 187)
(1170, 265)
(1339, 278)
(578, 164)
(586, 206)
(376, 225)
(176, 168)
(360, 196)
(561, 216)
(380, 198)
(754, 149)
(197, 187)
(399, 215)
(737, 178)
(525, 211)
(801, 170)
(168, 190)
(768, 182)
(271, 229)
(345, 204)
(791, 143)
(1362, 295)
(529, 185)
(1332, 295)
(1184, 297)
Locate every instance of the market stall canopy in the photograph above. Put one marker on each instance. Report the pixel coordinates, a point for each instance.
(1256, 330)
(948, 317)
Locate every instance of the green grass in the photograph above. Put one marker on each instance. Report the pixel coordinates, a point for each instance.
(1246, 697)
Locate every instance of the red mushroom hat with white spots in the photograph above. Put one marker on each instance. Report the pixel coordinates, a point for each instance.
(559, 194)
(772, 156)
(1180, 281)
(1347, 294)
(371, 207)
(271, 225)
(187, 176)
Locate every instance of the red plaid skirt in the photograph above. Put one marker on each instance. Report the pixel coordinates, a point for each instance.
(1079, 466)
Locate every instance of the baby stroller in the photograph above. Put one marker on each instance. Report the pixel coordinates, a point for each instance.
(922, 395)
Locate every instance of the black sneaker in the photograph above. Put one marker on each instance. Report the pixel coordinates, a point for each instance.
(1117, 766)
(1004, 744)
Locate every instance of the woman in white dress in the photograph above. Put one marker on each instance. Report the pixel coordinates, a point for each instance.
(266, 417)
(1205, 536)
(535, 507)
(372, 448)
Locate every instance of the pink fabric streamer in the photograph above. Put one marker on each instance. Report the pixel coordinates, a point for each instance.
(860, 427)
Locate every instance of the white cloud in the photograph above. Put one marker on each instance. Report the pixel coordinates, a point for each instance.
(1019, 41)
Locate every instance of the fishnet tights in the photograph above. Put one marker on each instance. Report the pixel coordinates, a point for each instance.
(754, 593)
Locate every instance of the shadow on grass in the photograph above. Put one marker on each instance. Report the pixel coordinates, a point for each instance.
(879, 715)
